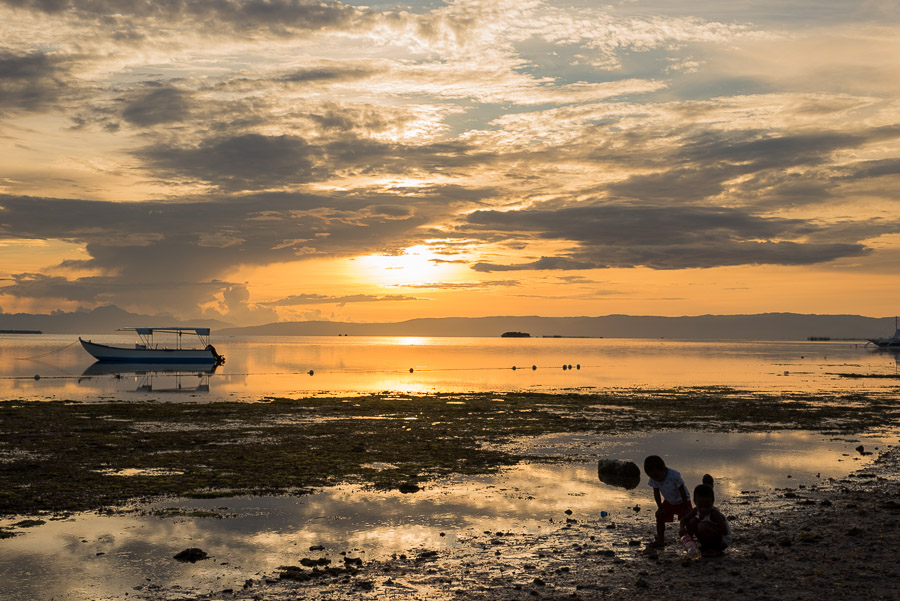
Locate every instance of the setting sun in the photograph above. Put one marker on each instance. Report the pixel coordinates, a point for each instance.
(416, 266)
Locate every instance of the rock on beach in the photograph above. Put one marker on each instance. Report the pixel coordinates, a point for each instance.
(619, 473)
(191, 555)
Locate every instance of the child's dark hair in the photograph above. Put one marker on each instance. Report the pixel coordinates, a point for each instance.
(704, 491)
(654, 462)
(707, 480)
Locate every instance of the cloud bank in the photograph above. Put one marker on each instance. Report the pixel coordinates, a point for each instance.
(190, 146)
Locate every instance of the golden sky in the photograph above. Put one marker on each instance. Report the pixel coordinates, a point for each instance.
(263, 160)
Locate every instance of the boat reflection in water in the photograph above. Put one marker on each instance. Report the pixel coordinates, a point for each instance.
(160, 377)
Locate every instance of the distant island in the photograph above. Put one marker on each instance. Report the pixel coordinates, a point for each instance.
(515, 335)
(20, 332)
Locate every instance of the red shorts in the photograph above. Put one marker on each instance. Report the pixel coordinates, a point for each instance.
(668, 511)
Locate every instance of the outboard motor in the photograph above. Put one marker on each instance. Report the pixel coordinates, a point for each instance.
(220, 359)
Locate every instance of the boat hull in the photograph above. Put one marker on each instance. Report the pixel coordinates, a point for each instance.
(118, 354)
(887, 344)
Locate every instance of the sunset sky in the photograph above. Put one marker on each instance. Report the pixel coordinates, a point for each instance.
(263, 160)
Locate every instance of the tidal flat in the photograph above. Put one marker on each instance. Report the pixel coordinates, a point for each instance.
(69, 456)
(110, 480)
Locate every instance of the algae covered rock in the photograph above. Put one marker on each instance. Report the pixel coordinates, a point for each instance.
(191, 555)
(619, 473)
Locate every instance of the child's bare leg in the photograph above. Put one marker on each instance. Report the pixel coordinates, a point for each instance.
(660, 532)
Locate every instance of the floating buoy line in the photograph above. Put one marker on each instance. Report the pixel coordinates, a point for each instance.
(156, 369)
(48, 353)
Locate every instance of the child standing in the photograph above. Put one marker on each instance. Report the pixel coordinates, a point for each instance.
(671, 496)
(706, 523)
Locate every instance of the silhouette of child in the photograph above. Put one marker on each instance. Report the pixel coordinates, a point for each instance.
(706, 523)
(671, 496)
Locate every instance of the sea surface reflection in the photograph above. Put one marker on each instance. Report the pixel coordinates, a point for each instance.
(53, 367)
(93, 556)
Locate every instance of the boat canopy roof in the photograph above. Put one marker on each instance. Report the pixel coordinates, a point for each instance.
(170, 329)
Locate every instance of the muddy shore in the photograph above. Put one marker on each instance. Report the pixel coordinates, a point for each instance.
(839, 539)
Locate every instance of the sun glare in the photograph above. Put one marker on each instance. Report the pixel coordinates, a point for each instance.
(416, 265)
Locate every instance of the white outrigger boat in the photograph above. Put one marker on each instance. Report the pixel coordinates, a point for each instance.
(892, 343)
(147, 351)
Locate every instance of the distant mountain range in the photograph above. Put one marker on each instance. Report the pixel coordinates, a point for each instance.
(764, 326)
(101, 320)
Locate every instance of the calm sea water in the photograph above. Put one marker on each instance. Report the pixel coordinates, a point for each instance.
(258, 367)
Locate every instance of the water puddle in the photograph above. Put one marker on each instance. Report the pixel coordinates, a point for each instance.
(133, 471)
(90, 556)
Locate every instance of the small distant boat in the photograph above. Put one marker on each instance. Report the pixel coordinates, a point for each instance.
(515, 335)
(888, 343)
(148, 351)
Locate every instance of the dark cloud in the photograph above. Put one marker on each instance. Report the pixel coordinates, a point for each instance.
(47, 6)
(703, 165)
(575, 279)
(395, 211)
(359, 155)
(464, 285)
(759, 150)
(242, 162)
(147, 293)
(666, 237)
(31, 82)
(35, 285)
(164, 104)
(754, 168)
(333, 73)
(334, 118)
(252, 229)
(253, 161)
(878, 168)
(277, 16)
(561, 263)
(178, 251)
(320, 299)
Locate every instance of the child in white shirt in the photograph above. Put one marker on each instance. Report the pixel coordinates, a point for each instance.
(671, 496)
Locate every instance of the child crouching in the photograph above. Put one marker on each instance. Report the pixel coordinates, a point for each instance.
(706, 523)
(671, 496)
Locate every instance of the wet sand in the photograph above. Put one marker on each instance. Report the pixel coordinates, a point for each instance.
(838, 539)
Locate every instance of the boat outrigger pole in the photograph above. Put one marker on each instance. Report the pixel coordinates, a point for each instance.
(146, 334)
